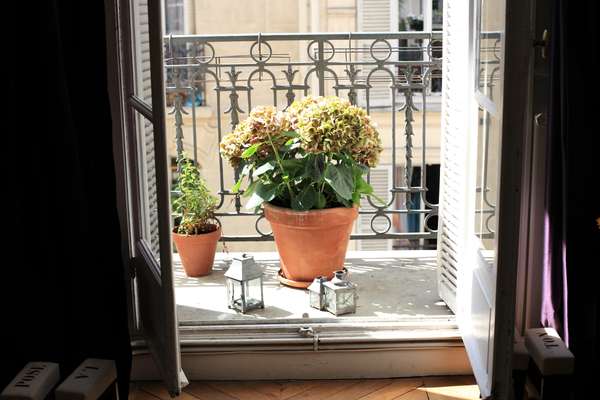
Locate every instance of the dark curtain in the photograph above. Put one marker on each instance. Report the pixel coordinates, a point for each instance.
(571, 288)
(63, 296)
(555, 281)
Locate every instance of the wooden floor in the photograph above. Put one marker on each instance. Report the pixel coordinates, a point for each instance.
(428, 388)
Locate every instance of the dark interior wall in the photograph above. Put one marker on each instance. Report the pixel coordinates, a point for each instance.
(577, 87)
(63, 287)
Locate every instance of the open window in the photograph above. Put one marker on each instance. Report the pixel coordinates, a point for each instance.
(480, 190)
(205, 83)
(144, 164)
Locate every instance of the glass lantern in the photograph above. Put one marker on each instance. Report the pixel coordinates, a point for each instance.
(340, 295)
(244, 284)
(316, 293)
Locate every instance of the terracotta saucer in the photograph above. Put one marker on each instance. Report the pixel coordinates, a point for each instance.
(291, 283)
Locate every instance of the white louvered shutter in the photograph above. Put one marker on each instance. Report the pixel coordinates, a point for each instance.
(144, 91)
(376, 16)
(381, 180)
(453, 218)
(150, 191)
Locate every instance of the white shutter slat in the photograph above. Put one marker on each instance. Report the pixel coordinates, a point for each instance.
(142, 36)
(148, 186)
(144, 92)
(376, 16)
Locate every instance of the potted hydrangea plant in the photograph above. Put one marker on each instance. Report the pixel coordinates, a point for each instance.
(196, 231)
(306, 167)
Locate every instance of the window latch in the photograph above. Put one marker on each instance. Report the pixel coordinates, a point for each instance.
(543, 43)
(306, 331)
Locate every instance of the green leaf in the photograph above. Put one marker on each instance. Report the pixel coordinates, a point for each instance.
(340, 178)
(313, 167)
(290, 145)
(250, 189)
(291, 134)
(344, 202)
(236, 187)
(362, 186)
(246, 170)
(262, 192)
(306, 199)
(381, 201)
(268, 166)
(362, 168)
(321, 201)
(255, 201)
(250, 150)
(292, 166)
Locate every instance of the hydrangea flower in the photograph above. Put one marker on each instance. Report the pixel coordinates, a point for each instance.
(263, 121)
(332, 125)
(325, 125)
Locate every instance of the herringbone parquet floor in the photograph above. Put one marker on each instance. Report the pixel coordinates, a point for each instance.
(427, 388)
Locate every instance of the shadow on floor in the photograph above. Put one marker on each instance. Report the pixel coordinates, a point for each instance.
(388, 288)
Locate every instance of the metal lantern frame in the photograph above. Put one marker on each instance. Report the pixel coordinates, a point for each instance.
(242, 272)
(316, 293)
(340, 295)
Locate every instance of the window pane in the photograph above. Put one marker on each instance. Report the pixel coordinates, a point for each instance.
(490, 44)
(437, 15)
(174, 17)
(488, 156)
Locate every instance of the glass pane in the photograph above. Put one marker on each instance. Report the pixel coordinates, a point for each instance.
(174, 17)
(148, 195)
(488, 157)
(437, 15)
(491, 51)
(141, 50)
(253, 292)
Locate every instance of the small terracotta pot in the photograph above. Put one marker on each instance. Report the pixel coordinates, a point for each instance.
(197, 252)
(310, 243)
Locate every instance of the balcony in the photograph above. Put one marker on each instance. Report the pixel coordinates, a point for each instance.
(212, 83)
(392, 286)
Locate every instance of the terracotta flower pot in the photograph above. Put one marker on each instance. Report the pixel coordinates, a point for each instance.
(197, 252)
(310, 243)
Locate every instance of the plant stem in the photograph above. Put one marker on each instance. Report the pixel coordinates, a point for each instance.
(278, 159)
(323, 177)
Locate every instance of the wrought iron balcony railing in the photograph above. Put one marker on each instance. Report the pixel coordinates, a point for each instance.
(389, 74)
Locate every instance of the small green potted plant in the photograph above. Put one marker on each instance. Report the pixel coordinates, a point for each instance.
(196, 231)
(305, 166)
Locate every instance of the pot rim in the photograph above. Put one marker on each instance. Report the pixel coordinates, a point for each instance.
(317, 211)
(218, 230)
(311, 219)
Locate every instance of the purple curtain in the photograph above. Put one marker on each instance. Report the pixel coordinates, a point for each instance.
(555, 281)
